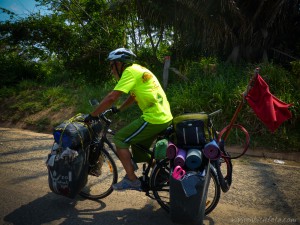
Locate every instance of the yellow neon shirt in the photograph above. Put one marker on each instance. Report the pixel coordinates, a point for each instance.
(148, 93)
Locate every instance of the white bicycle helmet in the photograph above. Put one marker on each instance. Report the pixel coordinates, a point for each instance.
(122, 55)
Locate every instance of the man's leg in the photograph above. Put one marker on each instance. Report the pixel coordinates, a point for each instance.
(125, 157)
(130, 181)
(136, 132)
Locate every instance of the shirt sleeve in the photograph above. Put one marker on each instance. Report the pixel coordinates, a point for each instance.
(126, 83)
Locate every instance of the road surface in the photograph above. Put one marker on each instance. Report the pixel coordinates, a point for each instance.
(262, 192)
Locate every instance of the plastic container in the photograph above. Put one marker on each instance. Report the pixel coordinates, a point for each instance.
(187, 203)
(161, 149)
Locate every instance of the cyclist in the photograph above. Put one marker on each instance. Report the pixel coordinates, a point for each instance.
(146, 91)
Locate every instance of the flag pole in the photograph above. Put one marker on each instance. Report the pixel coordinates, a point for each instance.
(249, 86)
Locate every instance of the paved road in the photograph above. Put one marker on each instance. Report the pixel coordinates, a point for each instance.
(262, 192)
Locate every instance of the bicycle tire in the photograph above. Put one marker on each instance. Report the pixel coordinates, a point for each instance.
(214, 191)
(160, 183)
(101, 187)
(160, 186)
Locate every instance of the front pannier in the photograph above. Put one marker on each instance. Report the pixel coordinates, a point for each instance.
(68, 162)
(68, 172)
(73, 133)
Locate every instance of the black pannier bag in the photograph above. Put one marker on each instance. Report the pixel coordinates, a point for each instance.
(68, 172)
(68, 162)
(73, 133)
(191, 130)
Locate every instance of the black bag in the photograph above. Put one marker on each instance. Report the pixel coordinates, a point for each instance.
(68, 171)
(68, 162)
(188, 197)
(73, 133)
(190, 133)
(191, 130)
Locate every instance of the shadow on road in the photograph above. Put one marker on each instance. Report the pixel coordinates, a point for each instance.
(52, 209)
(274, 188)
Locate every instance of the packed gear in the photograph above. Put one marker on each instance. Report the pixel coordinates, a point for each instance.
(68, 163)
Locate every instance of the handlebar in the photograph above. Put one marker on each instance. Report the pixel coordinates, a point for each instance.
(215, 112)
(103, 116)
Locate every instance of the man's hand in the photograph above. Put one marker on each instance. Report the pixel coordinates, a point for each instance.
(114, 109)
(91, 118)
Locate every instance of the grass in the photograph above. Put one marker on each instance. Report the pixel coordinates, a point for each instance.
(206, 90)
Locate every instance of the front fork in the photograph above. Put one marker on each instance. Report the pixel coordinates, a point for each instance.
(145, 179)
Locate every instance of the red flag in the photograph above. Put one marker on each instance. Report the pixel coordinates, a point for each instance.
(269, 109)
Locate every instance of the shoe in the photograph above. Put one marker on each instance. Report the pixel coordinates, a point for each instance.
(127, 184)
(95, 170)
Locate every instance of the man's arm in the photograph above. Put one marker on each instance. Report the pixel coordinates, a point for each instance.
(129, 101)
(107, 102)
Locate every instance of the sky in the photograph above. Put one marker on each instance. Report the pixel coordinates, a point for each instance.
(21, 7)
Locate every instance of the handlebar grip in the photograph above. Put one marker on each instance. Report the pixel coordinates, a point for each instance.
(103, 116)
(215, 112)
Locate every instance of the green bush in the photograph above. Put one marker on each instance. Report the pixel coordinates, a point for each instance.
(210, 85)
(222, 89)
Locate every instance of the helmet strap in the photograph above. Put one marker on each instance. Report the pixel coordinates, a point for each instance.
(118, 72)
(122, 69)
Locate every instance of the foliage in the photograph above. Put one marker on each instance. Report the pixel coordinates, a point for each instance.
(208, 92)
(68, 36)
(78, 35)
(203, 91)
(14, 69)
(66, 52)
(231, 30)
(296, 68)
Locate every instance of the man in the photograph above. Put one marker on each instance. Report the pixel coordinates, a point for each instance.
(144, 88)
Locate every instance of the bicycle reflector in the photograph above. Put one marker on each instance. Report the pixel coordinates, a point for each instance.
(62, 139)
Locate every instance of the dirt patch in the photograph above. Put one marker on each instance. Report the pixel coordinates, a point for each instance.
(42, 121)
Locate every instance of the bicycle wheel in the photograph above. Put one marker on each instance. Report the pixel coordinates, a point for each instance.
(101, 187)
(160, 185)
(213, 193)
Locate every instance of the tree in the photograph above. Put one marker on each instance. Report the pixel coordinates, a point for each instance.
(229, 29)
(77, 33)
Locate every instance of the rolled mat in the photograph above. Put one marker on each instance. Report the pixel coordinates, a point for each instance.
(161, 149)
(180, 158)
(193, 159)
(212, 151)
(172, 150)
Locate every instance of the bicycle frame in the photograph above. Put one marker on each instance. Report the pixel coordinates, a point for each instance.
(155, 179)
(146, 187)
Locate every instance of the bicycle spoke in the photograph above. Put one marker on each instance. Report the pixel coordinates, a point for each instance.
(100, 187)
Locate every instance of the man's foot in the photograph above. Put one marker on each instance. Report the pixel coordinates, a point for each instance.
(96, 169)
(127, 184)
